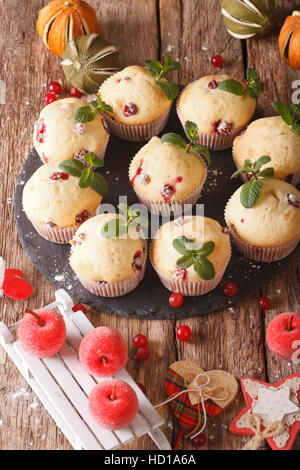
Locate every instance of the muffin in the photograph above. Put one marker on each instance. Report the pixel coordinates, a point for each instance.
(165, 177)
(56, 205)
(108, 267)
(140, 108)
(273, 137)
(58, 137)
(219, 115)
(164, 256)
(270, 230)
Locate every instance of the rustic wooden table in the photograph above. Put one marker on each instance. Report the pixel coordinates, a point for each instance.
(191, 31)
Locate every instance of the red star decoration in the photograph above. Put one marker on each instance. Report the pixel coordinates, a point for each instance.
(293, 429)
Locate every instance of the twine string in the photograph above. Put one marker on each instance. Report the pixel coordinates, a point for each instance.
(272, 430)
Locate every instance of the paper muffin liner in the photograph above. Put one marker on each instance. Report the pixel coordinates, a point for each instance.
(212, 141)
(139, 132)
(115, 289)
(56, 234)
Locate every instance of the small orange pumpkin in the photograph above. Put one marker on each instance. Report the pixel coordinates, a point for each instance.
(60, 21)
(289, 41)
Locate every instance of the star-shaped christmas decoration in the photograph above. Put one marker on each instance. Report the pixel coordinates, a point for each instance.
(278, 402)
(274, 403)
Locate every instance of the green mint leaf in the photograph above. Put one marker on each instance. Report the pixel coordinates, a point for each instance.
(114, 228)
(191, 131)
(254, 83)
(93, 160)
(72, 167)
(84, 114)
(267, 173)
(206, 249)
(232, 86)
(155, 68)
(86, 178)
(260, 162)
(174, 139)
(296, 127)
(185, 261)
(203, 151)
(248, 164)
(238, 172)
(184, 245)
(170, 89)
(102, 106)
(294, 110)
(99, 184)
(94, 103)
(171, 65)
(205, 269)
(250, 193)
(140, 221)
(283, 111)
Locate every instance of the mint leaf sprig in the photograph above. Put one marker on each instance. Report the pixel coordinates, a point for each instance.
(290, 115)
(197, 257)
(191, 131)
(252, 85)
(117, 227)
(159, 72)
(88, 113)
(251, 190)
(87, 177)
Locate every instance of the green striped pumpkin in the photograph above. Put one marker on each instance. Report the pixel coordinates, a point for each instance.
(246, 19)
(88, 61)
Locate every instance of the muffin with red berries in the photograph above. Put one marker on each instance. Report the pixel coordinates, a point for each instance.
(190, 254)
(57, 136)
(109, 261)
(56, 205)
(268, 229)
(219, 114)
(140, 108)
(166, 177)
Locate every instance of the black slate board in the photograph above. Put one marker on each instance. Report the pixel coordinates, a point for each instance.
(150, 299)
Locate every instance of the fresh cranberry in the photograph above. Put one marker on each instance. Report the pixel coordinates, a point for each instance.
(140, 341)
(183, 333)
(222, 127)
(230, 289)
(141, 387)
(225, 230)
(176, 300)
(82, 217)
(180, 273)
(264, 303)
(54, 87)
(246, 82)
(217, 61)
(142, 353)
(243, 221)
(57, 175)
(137, 263)
(167, 191)
(122, 79)
(130, 109)
(40, 129)
(80, 156)
(49, 98)
(50, 224)
(78, 308)
(199, 441)
(74, 92)
(80, 128)
(293, 200)
(212, 84)
(249, 176)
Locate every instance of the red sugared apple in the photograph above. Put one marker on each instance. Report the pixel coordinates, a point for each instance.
(113, 404)
(103, 352)
(282, 332)
(42, 332)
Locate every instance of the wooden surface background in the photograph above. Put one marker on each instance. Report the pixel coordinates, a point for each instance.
(191, 31)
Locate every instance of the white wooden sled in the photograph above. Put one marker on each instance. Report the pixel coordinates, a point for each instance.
(63, 386)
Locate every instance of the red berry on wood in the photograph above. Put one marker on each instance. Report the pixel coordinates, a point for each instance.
(217, 61)
(183, 333)
(49, 98)
(230, 289)
(79, 307)
(54, 87)
(142, 353)
(74, 92)
(140, 341)
(199, 441)
(264, 303)
(176, 300)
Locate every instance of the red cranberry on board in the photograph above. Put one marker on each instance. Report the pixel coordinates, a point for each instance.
(176, 300)
(199, 441)
(140, 341)
(50, 98)
(79, 307)
(217, 61)
(293, 200)
(74, 92)
(130, 109)
(54, 87)
(183, 333)
(82, 217)
(142, 353)
(264, 303)
(230, 289)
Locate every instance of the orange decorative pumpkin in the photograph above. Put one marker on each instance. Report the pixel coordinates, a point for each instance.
(289, 41)
(60, 21)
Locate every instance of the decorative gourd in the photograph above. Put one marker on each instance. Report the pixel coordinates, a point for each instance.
(60, 21)
(88, 61)
(245, 19)
(289, 41)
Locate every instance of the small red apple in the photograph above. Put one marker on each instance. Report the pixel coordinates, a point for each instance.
(113, 404)
(103, 352)
(282, 333)
(42, 332)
